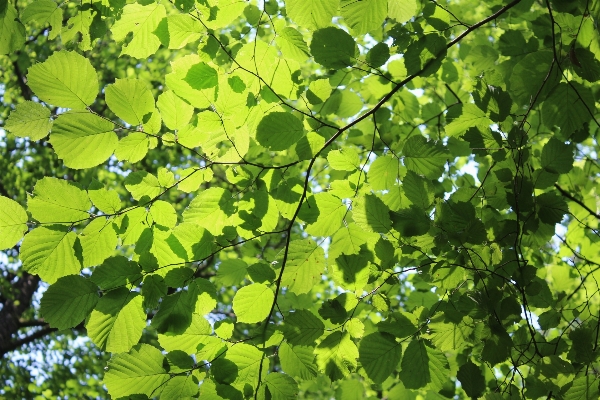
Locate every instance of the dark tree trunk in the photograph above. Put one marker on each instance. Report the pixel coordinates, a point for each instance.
(13, 307)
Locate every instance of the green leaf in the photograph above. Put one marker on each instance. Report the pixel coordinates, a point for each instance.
(496, 348)
(449, 336)
(379, 354)
(372, 214)
(98, 241)
(569, 106)
(68, 301)
(333, 48)
(348, 240)
(378, 55)
(65, 79)
(402, 10)
(512, 43)
(425, 54)
(252, 303)
(117, 322)
(210, 209)
(224, 328)
(202, 76)
(557, 157)
(279, 130)
(423, 366)
(292, 44)
(281, 386)
(312, 13)
(583, 388)
(133, 147)
(297, 360)
(331, 212)
(105, 200)
(175, 112)
(183, 29)
(336, 356)
(180, 387)
(383, 173)
(83, 140)
(471, 379)
(13, 223)
(350, 272)
(142, 184)
(30, 120)
(49, 252)
(43, 12)
(12, 32)
(551, 207)
(483, 57)
(175, 312)
(528, 74)
(246, 360)
(401, 325)
(424, 157)
(188, 340)
(589, 68)
(197, 241)
(163, 214)
(116, 272)
(346, 160)
(130, 100)
(153, 289)
(418, 190)
(78, 28)
(364, 16)
(192, 178)
(302, 328)
(231, 272)
(58, 201)
(318, 92)
(143, 22)
(470, 116)
(304, 266)
(140, 371)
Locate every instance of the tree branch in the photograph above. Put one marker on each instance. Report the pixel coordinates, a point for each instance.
(573, 199)
(10, 315)
(26, 340)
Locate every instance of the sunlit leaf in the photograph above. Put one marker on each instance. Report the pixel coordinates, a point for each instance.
(65, 79)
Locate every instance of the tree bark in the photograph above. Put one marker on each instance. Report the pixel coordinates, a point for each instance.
(13, 308)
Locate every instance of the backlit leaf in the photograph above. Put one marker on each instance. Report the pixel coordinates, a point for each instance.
(30, 120)
(117, 321)
(83, 140)
(138, 371)
(252, 303)
(313, 13)
(13, 222)
(65, 79)
(68, 301)
(49, 252)
(279, 131)
(142, 21)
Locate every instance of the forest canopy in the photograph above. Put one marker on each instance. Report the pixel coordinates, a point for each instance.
(346, 199)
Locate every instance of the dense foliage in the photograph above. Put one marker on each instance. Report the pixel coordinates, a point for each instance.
(319, 198)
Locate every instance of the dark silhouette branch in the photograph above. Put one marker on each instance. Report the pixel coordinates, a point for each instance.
(579, 202)
(26, 340)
